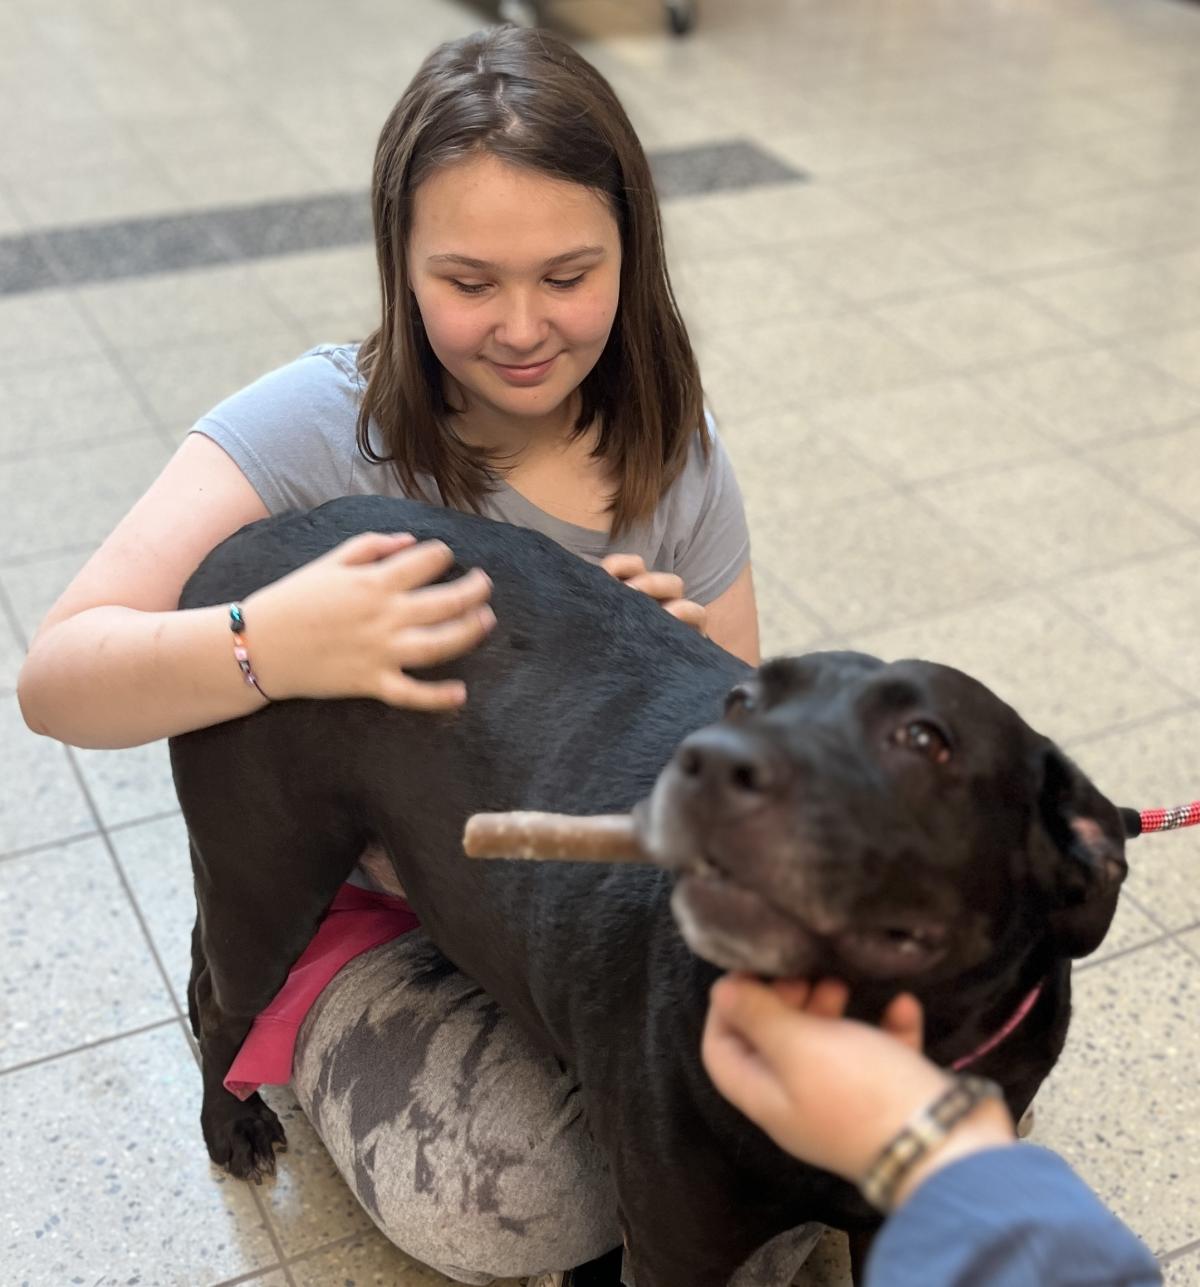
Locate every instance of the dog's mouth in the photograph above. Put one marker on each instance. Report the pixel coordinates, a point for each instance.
(893, 951)
(737, 927)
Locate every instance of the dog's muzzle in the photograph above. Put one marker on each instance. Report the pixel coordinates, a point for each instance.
(718, 819)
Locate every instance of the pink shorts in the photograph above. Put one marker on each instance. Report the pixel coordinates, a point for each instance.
(357, 920)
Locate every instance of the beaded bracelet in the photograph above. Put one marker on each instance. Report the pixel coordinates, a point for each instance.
(923, 1132)
(237, 623)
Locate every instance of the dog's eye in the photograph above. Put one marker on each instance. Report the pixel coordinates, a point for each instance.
(742, 698)
(925, 738)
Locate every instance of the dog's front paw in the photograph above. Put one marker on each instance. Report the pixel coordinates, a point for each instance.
(242, 1138)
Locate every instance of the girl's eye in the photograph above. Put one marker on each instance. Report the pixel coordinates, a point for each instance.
(469, 288)
(925, 739)
(560, 283)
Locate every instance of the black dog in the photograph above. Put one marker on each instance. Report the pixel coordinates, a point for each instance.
(894, 825)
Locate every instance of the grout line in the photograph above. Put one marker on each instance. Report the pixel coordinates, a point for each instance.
(765, 575)
(1011, 281)
(1141, 662)
(1089, 447)
(117, 360)
(254, 1275)
(1084, 966)
(920, 493)
(45, 846)
(20, 455)
(1139, 559)
(1168, 1256)
(272, 1233)
(130, 823)
(79, 547)
(135, 906)
(1127, 896)
(1051, 452)
(1009, 590)
(1131, 725)
(1131, 484)
(90, 1045)
(332, 1245)
(10, 615)
(84, 548)
(1177, 935)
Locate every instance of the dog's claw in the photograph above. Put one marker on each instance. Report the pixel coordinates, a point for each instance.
(245, 1144)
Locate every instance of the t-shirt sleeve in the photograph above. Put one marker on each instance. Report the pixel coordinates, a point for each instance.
(292, 431)
(713, 544)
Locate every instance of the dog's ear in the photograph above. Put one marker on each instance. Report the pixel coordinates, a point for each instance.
(1078, 853)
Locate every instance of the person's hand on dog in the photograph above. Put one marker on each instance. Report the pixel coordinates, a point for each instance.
(830, 1090)
(354, 622)
(666, 587)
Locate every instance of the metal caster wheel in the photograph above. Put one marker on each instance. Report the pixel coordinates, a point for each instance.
(681, 16)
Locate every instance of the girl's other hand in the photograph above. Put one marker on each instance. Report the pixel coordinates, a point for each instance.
(354, 622)
(666, 587)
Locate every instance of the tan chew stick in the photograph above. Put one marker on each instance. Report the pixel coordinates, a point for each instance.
(541, 836)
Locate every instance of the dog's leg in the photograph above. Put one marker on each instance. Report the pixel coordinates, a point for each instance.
(702, 1238)
(602, 1272)
(197, 970)
(860, 1248)
(261, 892)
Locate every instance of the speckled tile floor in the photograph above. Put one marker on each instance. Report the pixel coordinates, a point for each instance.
(958, 370)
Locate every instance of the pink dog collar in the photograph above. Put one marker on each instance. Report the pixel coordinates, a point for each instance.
(996, 1038)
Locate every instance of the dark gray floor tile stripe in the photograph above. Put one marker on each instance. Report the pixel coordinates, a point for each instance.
(284, 227)
(23, 267)
(202, 238)
(717, 167)
(108, 252)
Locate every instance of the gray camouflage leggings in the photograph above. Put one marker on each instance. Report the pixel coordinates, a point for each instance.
(465, 1145)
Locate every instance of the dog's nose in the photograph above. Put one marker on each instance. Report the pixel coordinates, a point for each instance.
(733, 770)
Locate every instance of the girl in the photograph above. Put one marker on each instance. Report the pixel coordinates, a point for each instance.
(530, 363)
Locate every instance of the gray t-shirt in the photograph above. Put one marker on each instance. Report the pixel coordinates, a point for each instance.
(292, 433)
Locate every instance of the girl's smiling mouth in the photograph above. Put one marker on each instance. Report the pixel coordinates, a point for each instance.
(523, 375)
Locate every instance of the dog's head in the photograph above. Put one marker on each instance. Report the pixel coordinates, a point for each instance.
(878, 822)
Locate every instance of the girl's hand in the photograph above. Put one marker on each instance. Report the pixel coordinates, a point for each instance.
(666, 587)
(354, 621)
(827, 1089)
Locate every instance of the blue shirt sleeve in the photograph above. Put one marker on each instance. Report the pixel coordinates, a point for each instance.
(1008, 1217)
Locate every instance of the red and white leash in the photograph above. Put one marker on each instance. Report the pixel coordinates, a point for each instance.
(1139, 822)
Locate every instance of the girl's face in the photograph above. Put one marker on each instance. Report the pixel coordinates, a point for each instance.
(517, 276)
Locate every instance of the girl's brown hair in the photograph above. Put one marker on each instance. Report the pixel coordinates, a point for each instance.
(527, 98)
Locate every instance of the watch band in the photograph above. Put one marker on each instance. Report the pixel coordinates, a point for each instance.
(921, 1134)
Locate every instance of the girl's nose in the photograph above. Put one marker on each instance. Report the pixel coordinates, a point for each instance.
(523, 326)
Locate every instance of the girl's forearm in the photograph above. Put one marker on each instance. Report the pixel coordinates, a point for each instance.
(113, 676)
